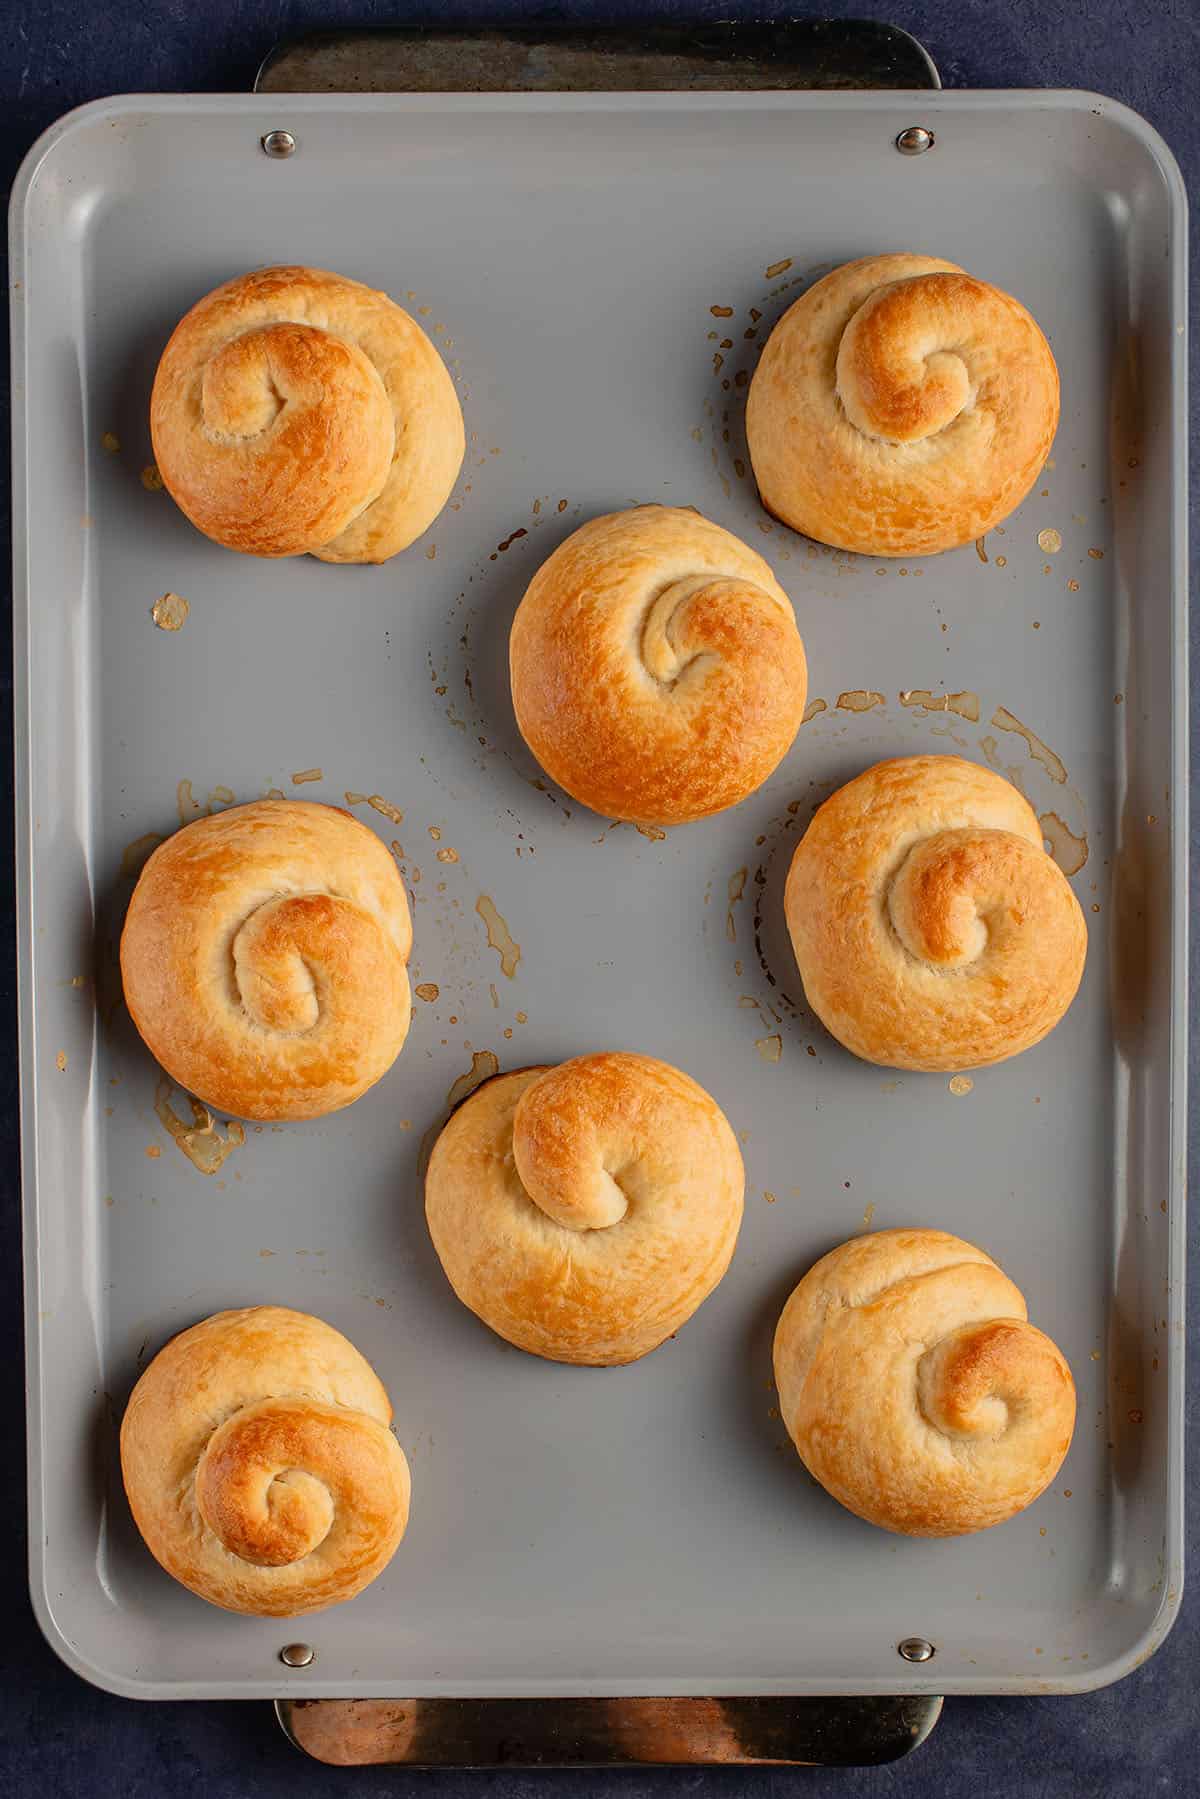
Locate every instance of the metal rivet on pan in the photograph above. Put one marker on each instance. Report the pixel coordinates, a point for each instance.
(916, 1649)
(278, 143)
(913, 141)
(299, 1655)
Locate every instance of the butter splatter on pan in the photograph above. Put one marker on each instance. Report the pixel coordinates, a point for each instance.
(1068, 850)
(1041, 752)
(964, 703)
(484, 1064)
(201, 1141)
(499, 937)
(859, 699)
(170, 611)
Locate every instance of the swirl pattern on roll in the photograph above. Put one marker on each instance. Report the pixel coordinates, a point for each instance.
(295, 410)
(264, 959)
(259, 1465)
(930, 927)
(915, 1389)
(584, 1211)
(901, 407)
(657, 672)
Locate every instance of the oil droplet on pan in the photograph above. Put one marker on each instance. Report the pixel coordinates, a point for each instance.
(499, 937)
(201, 1141)
(1068, 850)
(170, 611)
(484, 1064)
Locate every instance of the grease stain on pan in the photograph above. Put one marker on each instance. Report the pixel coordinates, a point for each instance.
(859, 699)
(201, 1141)
(1003, 720)
(653, 832)
(189, 807)
(385, 808)
(484, 1064)
(812, 710)
(303, 775)
(170, 611)
(499, 937)
(770, 1048)
(964, 703)
(1068, 850)
(961, 1084)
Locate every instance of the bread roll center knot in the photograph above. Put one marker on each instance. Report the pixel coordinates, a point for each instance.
(253, 1491)
(584, 1140)
(239, 397)
(976, 1380)
(277, 952)
(904, 363)
(957, 891)
(665, 649)
(323, 391)
(699, 618)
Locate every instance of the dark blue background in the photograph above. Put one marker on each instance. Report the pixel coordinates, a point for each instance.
(59, 1736)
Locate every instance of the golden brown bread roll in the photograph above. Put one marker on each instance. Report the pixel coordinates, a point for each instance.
(901, 407)
(264, 959)
(585, 1211)
(657, 673)
(931, 929)
(259, 1465)
(295, 410)
(915, 1390)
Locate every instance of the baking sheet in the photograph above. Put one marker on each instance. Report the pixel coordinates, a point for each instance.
(592, 267)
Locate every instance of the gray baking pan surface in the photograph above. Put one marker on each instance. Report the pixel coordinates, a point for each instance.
(600, 273)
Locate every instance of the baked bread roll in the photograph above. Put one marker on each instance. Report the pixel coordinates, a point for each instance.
(294, 410)
(931, 929)
(585, 1211)
(657, 673)
(915, 1390)
(259, 1465)
(901, 407)
(264, 959)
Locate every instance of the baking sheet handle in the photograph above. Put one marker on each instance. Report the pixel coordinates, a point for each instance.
(794, 53)
(489, 1733)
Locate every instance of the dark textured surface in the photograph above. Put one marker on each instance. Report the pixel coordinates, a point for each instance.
(58, 1736)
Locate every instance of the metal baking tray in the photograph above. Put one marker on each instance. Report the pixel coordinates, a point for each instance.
(600, 271)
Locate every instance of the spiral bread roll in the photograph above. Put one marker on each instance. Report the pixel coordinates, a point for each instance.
(657, 673)
(914, 1388)
(901, 407)
(930, 927)
(294, 410)
(585, 1211)
(264, 959)
(259, 1465)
